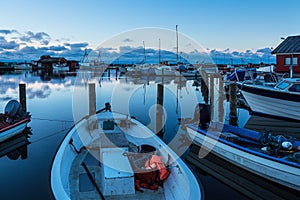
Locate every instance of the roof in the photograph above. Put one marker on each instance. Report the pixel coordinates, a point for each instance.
(53, 59)
(290, 45)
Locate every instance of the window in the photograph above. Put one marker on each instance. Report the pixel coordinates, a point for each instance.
(282, 85)
(287, 61)
(295, 61)
(295, 88)
(291, 61)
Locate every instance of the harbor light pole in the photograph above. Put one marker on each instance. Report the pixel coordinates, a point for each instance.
(292, 62)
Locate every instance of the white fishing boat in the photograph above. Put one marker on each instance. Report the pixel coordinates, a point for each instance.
(275, 158)
(281, 100)
(103, 156)
(60, 68)
(23, 66)
(186, 71)
(163, 70)
(13, 120)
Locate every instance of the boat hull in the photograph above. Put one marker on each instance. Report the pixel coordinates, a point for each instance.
(13, 129)
(273, 103)
(283, 174)
(181, 183)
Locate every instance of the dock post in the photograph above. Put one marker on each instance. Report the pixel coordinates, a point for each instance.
(233, 104)
(212, 94)
(22, 96)
(117, 73)
(93, 123)
(92, 99)
(108, 72)
(221, 99)
(204, 84)
(159, 111)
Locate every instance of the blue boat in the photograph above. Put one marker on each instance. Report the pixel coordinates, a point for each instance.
(276, 158)
(242, 74)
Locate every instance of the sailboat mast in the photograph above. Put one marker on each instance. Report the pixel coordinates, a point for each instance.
(144, 52)
(177, 43)
(159, 51)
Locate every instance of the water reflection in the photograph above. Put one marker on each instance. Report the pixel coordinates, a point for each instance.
(246, 183)
(36, 87)
(52, 97)
(16, 147)
(276, 126)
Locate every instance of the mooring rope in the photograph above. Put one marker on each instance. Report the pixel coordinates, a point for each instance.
(53, 120)
(53, 134)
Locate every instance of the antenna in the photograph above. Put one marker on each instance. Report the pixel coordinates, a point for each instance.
(177, 43)
(144, 52)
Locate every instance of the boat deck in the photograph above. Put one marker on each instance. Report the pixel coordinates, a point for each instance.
(81, 186)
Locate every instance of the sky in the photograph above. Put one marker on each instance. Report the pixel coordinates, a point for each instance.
(237, 29)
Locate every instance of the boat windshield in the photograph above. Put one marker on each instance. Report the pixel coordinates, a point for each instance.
(295, 88)
(283, 85)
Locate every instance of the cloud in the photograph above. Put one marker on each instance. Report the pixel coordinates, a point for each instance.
(57, 48)
(264, 50)
(6, 31)
(31, 45)
(8, 45)
(106, 49)
(30, 36)
(127, 40)
(78, 45)
(42, 92)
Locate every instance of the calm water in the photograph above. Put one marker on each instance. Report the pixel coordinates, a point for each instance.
(56, 100)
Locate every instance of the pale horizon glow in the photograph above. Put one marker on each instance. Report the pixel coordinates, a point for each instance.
(235, 26)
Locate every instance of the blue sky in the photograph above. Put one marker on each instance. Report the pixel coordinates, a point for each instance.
(216, 25)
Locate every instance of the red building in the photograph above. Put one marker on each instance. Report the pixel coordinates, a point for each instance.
(288, 54)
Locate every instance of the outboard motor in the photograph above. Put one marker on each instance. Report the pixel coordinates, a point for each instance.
(13, 110)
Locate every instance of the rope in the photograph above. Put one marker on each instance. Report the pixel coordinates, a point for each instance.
(53, 120)
(53, 134)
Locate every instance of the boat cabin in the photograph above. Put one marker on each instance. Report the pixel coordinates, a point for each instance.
(289, 84)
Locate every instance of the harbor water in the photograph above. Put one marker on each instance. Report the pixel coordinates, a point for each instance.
(56, 100)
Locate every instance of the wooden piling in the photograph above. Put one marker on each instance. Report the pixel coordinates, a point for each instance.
(221, 99)
(159, 110)
(22, 96)
(204, 86)
(233, 104)
(117, 73)
(92, 99)
(212, 94)
(204, 91)
(108, 72)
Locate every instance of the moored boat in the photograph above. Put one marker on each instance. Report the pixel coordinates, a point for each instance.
(108, 155)
(13, 121)
(276, 158)
(281, 100)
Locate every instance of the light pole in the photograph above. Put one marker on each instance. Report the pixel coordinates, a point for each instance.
(291, 63)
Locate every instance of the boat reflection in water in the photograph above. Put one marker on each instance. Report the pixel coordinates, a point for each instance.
(16, 147)
(276, 126)
(246, 183)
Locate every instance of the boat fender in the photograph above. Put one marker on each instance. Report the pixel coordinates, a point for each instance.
(287, 145)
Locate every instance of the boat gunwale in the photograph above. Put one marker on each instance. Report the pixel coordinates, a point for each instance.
(247, 150)
(27, 119)
(70, 132)
(271, 92)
